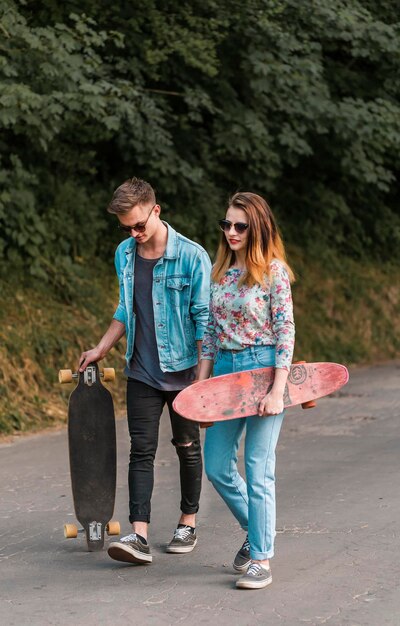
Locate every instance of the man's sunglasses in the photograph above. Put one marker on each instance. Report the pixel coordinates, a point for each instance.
(140, 227)
(225, 226)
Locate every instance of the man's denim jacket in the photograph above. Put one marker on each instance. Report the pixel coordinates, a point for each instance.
(181, 292)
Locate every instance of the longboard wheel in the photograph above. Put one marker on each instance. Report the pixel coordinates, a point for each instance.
(70, 531)
(113, 528)
(65, 376)
(108, 374)
(206, 424)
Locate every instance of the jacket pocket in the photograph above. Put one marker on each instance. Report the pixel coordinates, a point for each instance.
(178, 290)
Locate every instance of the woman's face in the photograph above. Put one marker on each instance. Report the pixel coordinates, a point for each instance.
(237, 241)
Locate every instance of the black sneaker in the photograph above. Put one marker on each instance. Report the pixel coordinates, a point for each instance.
(184, 540)
(242, 559)
(130, 549)
(256, 577)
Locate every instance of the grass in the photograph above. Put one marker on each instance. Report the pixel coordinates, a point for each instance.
(345, 311)
(40, 334)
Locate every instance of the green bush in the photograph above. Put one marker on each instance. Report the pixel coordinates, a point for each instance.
(297, 101)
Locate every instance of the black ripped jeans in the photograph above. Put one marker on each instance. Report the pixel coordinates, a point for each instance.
(145, 405)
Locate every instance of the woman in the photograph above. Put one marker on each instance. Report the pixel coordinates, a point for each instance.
(250, 326)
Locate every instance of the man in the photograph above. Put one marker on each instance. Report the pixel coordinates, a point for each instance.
(163, 310)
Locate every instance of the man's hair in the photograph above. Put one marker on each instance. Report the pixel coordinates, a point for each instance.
(129, 194)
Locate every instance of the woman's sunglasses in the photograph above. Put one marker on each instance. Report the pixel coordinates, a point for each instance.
(225, 226)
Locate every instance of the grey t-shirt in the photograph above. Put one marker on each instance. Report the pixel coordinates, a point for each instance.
(145, 365)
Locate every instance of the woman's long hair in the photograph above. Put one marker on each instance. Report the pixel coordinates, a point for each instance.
(263, 245)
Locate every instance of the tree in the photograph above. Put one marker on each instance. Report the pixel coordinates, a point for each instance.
(298, 101)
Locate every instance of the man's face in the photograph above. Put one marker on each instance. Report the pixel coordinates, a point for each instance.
(143, 220)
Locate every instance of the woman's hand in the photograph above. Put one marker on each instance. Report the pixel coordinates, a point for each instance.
(271, 404)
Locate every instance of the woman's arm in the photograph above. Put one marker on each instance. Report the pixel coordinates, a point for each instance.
(282, 315)
(272, 403)
(284, 331)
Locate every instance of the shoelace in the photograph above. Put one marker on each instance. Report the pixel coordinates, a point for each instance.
(254, 569)
(128, 538)
(182, 533)
(246, 545)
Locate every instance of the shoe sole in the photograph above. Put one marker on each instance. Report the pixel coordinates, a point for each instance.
(253, 584)
(128, 555)
(242, 568)
(181, 549)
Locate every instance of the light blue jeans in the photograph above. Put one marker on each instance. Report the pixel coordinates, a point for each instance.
(253, 504)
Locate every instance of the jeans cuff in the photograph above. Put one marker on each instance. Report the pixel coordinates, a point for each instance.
(190, 510)
(139, 518)
(261, 556)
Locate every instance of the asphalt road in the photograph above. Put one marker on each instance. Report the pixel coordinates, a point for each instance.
(337, 552)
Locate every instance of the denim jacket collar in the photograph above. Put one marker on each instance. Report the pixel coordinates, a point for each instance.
(172, 249)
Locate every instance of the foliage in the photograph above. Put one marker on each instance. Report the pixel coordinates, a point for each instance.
(40, 335)
(296, 100)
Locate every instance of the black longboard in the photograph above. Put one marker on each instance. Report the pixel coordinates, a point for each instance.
(92, 455)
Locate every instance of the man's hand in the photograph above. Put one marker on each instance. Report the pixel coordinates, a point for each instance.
(271, 404)
(90, 356)
(197, 374)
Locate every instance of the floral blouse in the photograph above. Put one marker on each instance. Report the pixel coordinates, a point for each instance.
(251, 316)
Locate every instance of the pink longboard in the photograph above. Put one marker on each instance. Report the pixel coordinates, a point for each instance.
(237, 395)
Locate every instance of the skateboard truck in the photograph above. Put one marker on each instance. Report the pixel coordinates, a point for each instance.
(95, 531)
(89, 375)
